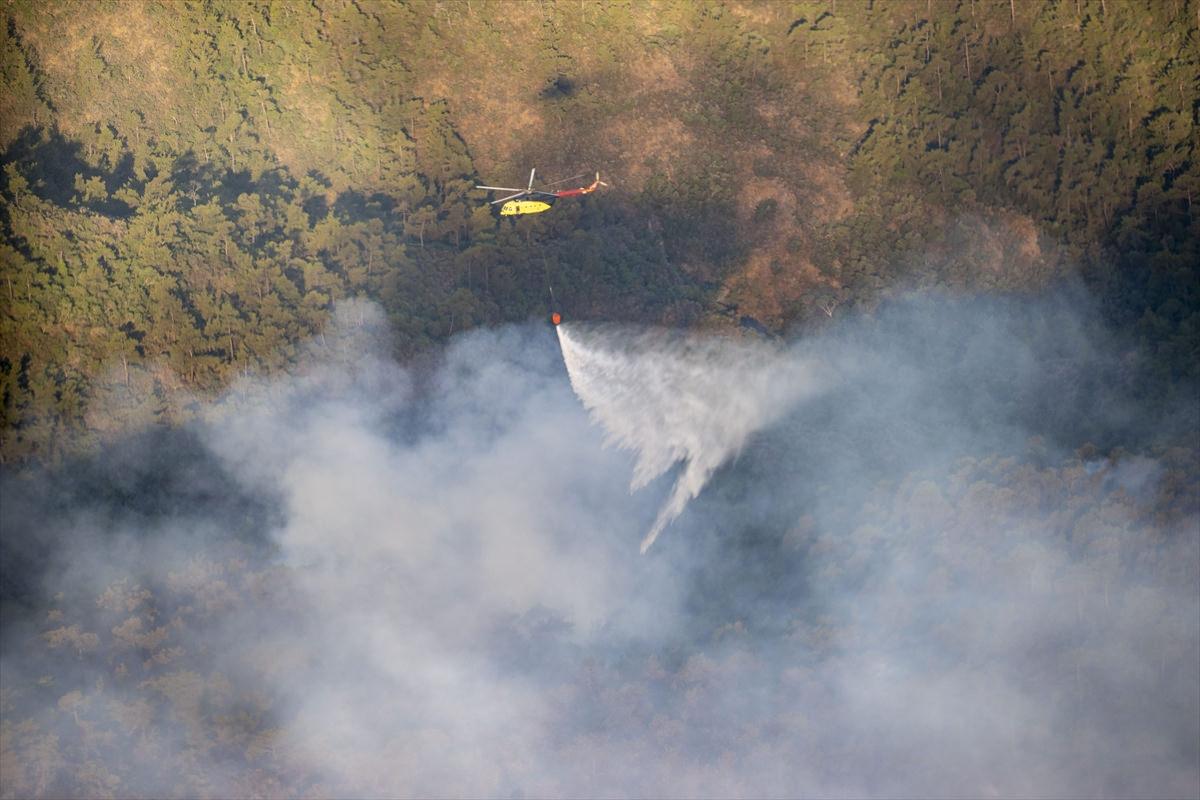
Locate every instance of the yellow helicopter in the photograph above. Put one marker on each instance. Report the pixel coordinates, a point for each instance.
(535, 201)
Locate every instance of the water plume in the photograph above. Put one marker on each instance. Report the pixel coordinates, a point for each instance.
(672, 397)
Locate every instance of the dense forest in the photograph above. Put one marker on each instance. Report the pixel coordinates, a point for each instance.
(288, 507)
(188, 188)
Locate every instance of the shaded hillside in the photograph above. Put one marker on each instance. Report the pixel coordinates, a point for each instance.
(188, 188)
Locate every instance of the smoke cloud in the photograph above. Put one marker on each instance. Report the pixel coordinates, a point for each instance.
(906, 557)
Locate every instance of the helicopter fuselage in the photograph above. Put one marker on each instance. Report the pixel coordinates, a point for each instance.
(514, 207)
(535, 201)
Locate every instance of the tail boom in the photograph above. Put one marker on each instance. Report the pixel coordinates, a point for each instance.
(583, 189)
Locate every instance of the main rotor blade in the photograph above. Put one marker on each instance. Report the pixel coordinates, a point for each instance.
(501, 188)
(530, 189)
(520, 193)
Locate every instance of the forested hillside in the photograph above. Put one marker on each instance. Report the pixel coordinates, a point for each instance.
(287, 508)
(188, 188)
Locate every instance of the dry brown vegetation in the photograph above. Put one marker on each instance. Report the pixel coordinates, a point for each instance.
(785, 162)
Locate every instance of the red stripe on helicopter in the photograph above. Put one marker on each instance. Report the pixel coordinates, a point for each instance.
(579, 191)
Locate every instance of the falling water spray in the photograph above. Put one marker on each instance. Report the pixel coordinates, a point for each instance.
(671, 397)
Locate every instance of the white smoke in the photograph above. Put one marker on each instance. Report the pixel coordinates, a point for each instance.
(675, 398)
(905, 586)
